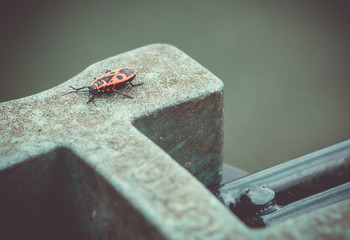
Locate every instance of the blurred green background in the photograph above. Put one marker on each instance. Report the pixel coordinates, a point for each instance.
(285, 64)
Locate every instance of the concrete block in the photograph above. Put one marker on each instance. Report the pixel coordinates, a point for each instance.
(98, 167)
(127, 168)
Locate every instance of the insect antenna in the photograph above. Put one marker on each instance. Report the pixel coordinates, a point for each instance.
(77, 90)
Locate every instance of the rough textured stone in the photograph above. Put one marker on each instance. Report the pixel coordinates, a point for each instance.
(74, 171)
(101, 172)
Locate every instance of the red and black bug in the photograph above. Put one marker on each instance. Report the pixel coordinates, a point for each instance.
(110, 82)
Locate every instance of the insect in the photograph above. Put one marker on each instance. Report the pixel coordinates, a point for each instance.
(110, 82)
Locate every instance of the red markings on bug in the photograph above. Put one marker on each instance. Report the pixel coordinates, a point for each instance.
(111, 81)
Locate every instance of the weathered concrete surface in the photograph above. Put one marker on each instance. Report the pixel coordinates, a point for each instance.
(101, 172)
(76, 171)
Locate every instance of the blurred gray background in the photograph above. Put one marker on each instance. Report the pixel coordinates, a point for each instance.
(285, 65)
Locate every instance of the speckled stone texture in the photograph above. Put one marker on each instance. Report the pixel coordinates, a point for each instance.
(97, 169)
(125, 169)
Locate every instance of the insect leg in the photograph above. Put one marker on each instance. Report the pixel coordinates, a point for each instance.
(116, 91)
(92, 100)
(135, 85)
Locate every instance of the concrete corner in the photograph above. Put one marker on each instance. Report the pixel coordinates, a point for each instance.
(97, 169)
